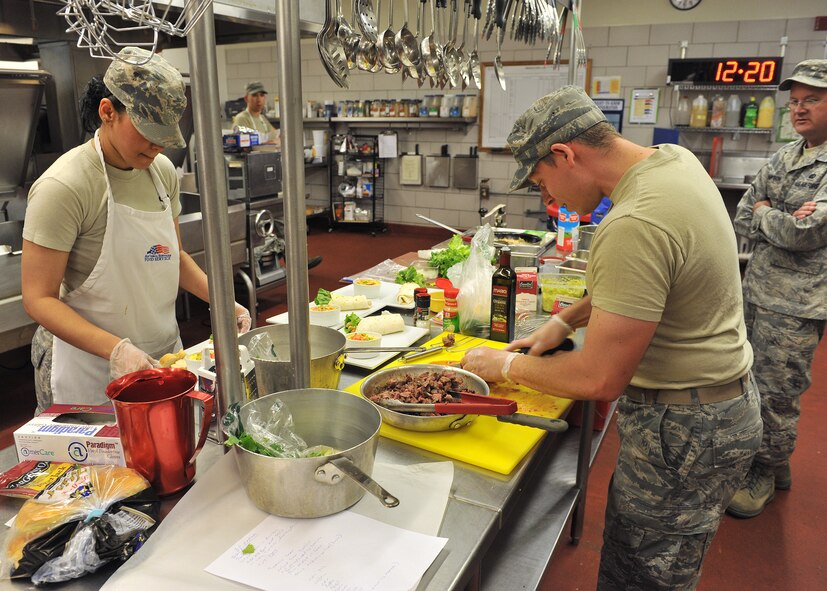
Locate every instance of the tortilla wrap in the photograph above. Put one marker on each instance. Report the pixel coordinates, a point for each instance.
(384, 323)
(354, 302)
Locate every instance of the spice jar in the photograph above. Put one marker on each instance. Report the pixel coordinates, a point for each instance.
(376, 108)
(401, 109)
(436, 103)
(425, 106)
(413, 108)
(422, 311)
(470, 103)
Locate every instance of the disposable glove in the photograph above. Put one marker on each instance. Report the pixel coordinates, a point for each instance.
(242, 319)
(126, 358)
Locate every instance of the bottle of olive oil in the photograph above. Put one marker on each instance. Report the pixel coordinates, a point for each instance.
(503, 299)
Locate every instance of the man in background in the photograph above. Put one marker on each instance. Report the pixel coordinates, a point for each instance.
(784, 213)
(253, 116)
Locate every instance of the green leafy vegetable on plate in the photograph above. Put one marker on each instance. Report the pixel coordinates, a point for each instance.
(323, 297)
(410, 275)
(351, 322)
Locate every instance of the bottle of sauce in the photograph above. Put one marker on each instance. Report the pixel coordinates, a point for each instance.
(450, 313)
(751, 113)
(568, 223)
(716, 119)
(733, 111)
(684, 111)
(766, 110)
(422, 310)
(700, 108)
(503, 299)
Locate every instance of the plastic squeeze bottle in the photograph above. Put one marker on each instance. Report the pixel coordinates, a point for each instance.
(751, 113)
(733, 111)
(700, 106)
(765, 112)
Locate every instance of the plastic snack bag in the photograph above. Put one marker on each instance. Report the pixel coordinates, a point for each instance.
(90, 516)
(474, 301)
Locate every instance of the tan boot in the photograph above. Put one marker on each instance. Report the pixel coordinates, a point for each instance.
(755, 494)
(783, 476)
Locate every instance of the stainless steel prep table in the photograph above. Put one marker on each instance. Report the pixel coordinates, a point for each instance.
(485, 510)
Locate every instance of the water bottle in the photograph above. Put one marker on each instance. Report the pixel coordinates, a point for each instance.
(733, 111)
(683, 112)
(568, 223)
(718, 112)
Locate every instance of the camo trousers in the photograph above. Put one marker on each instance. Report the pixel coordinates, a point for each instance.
(783, 347)
(677, 469)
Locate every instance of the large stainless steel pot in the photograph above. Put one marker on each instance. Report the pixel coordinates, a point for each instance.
(375, 382)
(315, 487)
(326, 358)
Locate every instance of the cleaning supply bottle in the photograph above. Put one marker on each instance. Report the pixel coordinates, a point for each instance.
(751, 113)
(683, 111)
(700, 108)
(568, 223)
(503, 299)
(733, 111)
(718, 112)
(766, 110)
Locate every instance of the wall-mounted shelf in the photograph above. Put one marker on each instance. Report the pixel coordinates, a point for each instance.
(733, 130)
(724, 87)
(393, 122)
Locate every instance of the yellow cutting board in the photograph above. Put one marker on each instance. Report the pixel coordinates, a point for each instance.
(486, 442)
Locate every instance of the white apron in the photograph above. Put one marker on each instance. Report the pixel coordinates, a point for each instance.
(131, 293)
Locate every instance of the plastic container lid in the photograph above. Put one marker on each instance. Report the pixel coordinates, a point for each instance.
(451, 292)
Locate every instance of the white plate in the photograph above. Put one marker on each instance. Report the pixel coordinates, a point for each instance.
(406, 338)
(375, 307)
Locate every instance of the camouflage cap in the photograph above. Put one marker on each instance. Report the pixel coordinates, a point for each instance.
(556, 118)
(809, 72)
(152, 92)
(255, 88)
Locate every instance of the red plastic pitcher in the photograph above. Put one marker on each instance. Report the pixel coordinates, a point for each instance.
(154, 408)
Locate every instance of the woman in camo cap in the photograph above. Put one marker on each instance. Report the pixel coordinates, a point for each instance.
(102, 258)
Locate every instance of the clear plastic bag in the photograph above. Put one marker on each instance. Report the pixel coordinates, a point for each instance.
(474, 301)
(261, 346)
(269, 432)
(91, 515)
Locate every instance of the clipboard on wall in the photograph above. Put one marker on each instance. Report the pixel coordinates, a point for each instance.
(527, 81)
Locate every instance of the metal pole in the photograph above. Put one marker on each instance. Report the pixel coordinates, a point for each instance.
(292, 155)
(212, 182)
(575, 14)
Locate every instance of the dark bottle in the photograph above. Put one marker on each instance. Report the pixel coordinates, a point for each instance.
(503, 299)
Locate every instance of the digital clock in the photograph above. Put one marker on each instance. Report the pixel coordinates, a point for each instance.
(726, 71)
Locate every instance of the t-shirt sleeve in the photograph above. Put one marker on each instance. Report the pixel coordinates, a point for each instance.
(632, 269)
(54, 215)
(169, 178)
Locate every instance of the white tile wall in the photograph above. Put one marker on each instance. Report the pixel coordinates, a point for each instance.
(637, 53)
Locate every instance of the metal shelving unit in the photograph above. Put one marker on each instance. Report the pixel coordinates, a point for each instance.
(357, 184)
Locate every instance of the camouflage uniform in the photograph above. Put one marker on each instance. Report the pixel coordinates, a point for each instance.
(677, 469)
(679, 464)
(785, 284)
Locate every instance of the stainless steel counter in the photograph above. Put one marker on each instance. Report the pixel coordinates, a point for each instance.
(510, 524)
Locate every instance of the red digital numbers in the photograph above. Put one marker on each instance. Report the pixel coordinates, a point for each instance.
(725, 71)
(751, 72)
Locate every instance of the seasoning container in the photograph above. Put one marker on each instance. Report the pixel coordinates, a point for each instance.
(329, 109)
(450, 313)
(435, 105)
(422, 311)
(401, 109)
(503, 299)
(413, 107)
(376, 108)
(425, 106)
(445, 106)
(469, 105)
(455, 109)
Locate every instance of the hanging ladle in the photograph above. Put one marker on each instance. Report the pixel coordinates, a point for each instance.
(388, 55)
(499, 70)
(407, 46)
(474, 59)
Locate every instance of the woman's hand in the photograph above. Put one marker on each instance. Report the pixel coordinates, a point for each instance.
(548, 336)
(126, 358)
(242, 319)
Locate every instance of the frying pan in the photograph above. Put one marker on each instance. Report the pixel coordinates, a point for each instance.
(474, 388)
(500, 235)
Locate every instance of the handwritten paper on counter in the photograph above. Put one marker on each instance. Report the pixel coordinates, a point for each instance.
(342, 552)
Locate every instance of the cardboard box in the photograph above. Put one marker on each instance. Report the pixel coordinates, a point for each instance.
(71, 433)
(526, 298)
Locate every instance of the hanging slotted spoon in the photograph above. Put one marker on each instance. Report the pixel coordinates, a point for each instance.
(366, 20)
(463, 58)
(449, 52)
(331, 49)
(407, 46)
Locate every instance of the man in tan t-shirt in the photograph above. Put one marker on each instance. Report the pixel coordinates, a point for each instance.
(666, 337)
(253, 116)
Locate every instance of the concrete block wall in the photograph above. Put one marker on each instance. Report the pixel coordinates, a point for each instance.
(637, 53)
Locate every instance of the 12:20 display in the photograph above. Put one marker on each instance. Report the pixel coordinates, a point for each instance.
(755, 71)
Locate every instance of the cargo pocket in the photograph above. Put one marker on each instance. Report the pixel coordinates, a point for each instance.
(679, 440)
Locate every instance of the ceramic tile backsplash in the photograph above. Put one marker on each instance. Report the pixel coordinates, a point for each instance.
(637, 53)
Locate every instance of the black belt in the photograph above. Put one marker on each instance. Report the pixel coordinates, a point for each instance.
(705, 395)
